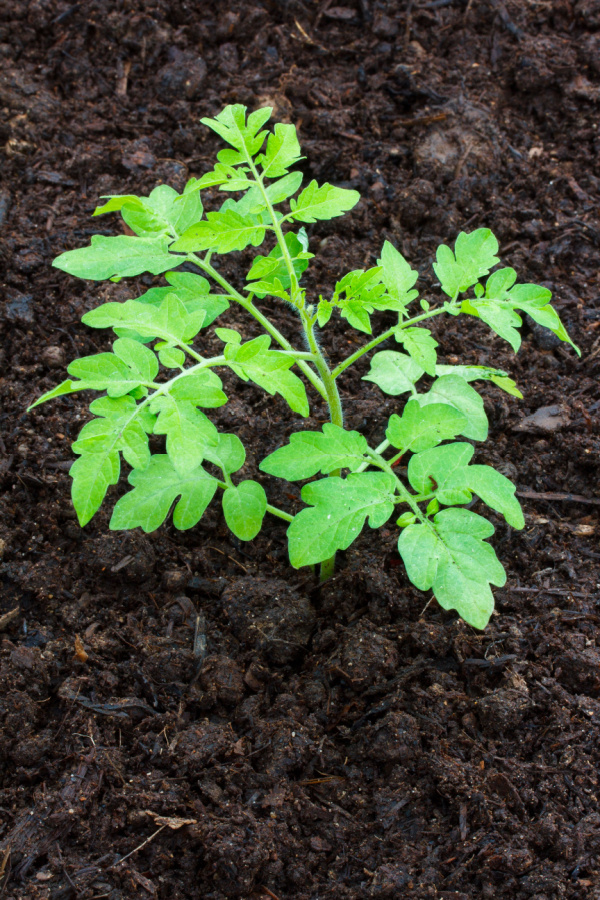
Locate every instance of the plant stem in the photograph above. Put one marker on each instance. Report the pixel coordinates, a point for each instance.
(266, 323)
(383, 337)
(407, 497)
(308, 323)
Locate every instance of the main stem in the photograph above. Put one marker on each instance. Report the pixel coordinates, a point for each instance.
(308, 323)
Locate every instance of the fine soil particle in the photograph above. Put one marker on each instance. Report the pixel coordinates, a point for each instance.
(183, 715)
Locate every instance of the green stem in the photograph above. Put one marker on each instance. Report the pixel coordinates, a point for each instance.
(382, 337)
(266, 323)
(405, 494)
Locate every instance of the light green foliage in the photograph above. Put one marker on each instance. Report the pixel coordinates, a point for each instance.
(420, 428)
(474, 255)
(419, 344)
(397, 275)
(445, 473)
(325, 202)
(454, 391)
(155, 490)
(244, 508)
(310, 452)
(271, 272)
(270, 369)
(450, 555)
(337, 513)
(395, 373)
(159, 380)
(121, 256)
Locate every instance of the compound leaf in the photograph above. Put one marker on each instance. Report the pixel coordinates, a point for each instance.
(324, 202)
(395, 373)
(337, 515)
(310, 452)
(445, 473)
(245, 136)
(221, 232)
(454, 391)
(419, 343)
(451, 556)
(121, 256)
(156, 488)
(421, 428)
(474, 255)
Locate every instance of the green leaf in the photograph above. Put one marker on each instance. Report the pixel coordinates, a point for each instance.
(92, 475)
(228, 335)
(284, 187)
(454, 391)
(445, 472)
(156, 488)
(65, 387)
(105, 371)
(283, 151)
(244, 135)
(395, 373)
(338, 513)
(272, 270)
(421, 428)
(221, 232)
(188, 431)
(398, 276)
(474, 255)
(269, 369)
(164, 211)
(325, 202)
(140, 360)
(324, 312)
(451, 557)
(229, 453)
(419, 343)
(440, 472)
(170, 321)
(170, 357)
(473, 373)
(244, 508)
(496, 491)
(122, 256)
(501, 319)
(407, 518)
(309, 452)
(202, 387)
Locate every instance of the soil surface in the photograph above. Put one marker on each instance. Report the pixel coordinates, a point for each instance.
(186, 716)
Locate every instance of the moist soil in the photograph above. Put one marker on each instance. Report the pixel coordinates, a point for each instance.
(186, 716)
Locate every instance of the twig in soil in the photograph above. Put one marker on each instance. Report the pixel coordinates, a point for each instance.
(140, 847)
(556, 495)
(3, 872)
(269, 893)
(5, 620)
(229, 557)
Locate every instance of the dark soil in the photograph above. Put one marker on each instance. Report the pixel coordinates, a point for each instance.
(348, 742)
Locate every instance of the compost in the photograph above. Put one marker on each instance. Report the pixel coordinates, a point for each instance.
(183, 715)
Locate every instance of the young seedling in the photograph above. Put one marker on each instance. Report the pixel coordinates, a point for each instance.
(157, 381)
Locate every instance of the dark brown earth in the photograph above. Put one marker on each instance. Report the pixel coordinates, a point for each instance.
(348, 742)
